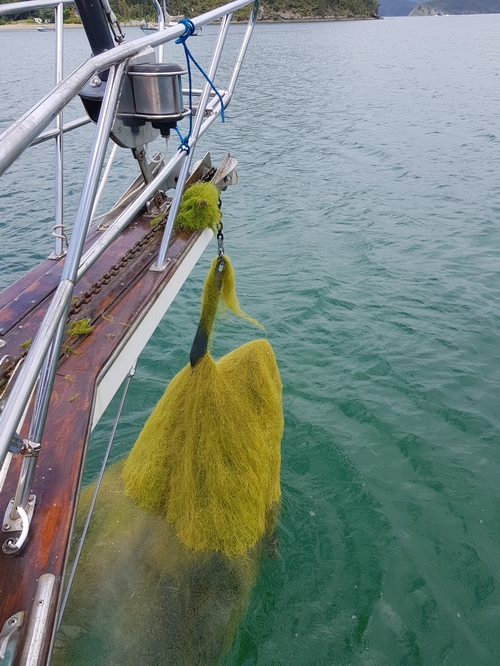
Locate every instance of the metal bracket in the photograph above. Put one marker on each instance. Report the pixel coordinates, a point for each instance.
(17, 443)
(9, 636)
(226, 174)
(11, 525)
(13, 546)
(54, 256)
(28, 448)
(160, 269)
(140, 155)
(20, 509)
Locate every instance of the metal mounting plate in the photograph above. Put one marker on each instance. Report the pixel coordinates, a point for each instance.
(8, 638)
(10, 525)
(226, 174)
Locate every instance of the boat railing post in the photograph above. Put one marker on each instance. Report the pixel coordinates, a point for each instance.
(197, 123)
(161, 25)
(58, 228)
(29, 127)
(22, 496)
(243, 49)
(57, 310)
(91, 182)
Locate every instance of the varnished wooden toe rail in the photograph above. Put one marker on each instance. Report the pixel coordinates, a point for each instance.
(133, 297)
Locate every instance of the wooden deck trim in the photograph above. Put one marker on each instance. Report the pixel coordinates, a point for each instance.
(60, 465)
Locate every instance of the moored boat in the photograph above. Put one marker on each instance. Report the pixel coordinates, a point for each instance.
(149, 27)
(163, 20)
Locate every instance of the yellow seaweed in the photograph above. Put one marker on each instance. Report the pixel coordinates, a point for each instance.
(208, 457)
(199, 208)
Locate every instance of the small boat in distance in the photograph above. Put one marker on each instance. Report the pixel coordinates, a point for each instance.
(45, 28)
(163, 20)
(150, 27)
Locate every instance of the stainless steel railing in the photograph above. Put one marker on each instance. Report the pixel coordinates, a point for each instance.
(58, 131)
(41, 361)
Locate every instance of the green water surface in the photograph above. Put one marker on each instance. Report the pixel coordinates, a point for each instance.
(365, 237)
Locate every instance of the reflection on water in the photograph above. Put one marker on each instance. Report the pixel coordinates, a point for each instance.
(140, 597)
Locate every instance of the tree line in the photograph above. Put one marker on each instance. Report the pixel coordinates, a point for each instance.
(127, 10)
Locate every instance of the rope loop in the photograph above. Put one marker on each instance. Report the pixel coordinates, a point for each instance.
(190, 29)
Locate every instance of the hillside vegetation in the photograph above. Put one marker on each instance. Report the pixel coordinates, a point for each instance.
(456, 7)
(287, 9)
(274, 10)
(269, 9)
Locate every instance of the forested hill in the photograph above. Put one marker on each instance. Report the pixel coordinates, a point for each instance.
(437, 7)
(270, 10)
(288, 9)
(456, 7)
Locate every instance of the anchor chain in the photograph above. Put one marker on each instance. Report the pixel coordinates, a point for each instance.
(220, 240)
(113, 270)
(78, 303)
(85, 298)
(96, 287)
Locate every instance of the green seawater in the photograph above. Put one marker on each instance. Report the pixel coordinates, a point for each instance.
(364, 233)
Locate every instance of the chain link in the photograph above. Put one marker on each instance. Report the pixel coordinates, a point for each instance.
(77, 304)
(220, 240)
(113, 271)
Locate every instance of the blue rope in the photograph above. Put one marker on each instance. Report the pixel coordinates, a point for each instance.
(189, 30)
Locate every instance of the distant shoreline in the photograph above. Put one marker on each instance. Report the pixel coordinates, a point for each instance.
(318, 19)
(35, 26)
(313, 19)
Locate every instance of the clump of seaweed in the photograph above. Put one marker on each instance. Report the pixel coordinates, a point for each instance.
(159, 218)
(199, 208)
(80, 327)
(208, 458)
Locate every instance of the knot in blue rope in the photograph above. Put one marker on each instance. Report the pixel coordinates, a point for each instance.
(189, 30)
(184, 141)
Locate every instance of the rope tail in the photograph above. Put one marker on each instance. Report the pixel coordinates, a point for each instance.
(189, 30)
(219, 294)
(210, 300)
